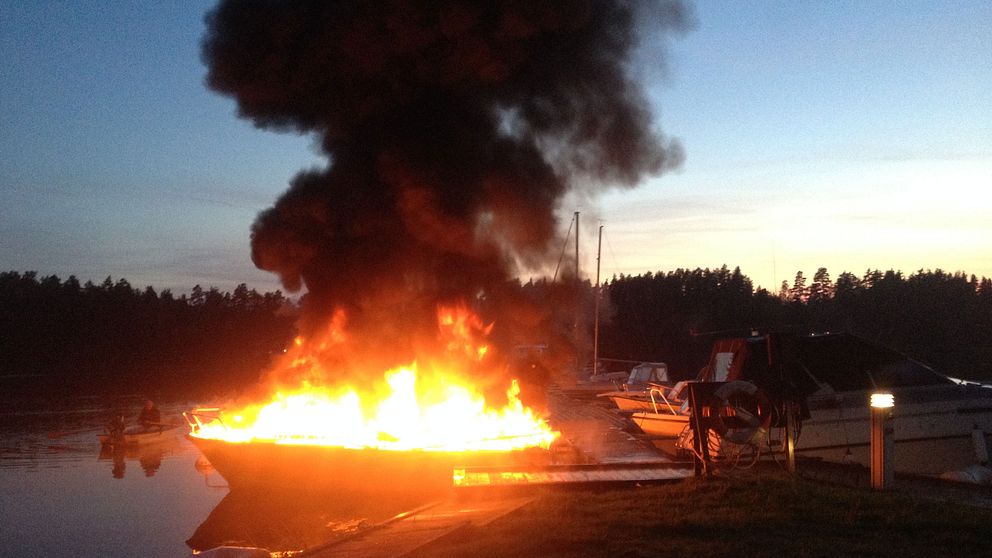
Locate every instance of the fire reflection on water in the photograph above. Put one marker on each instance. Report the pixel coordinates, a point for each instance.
(286, 521)
(55, 487)
(56, 484)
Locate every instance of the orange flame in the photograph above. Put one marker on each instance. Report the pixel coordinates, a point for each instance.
(436, 409)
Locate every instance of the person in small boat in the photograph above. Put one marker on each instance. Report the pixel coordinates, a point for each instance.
(150, 417)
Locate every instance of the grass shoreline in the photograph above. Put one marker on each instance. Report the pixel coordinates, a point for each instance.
(765, 513)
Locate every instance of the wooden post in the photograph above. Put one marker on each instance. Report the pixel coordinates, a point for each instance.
(882, 441)
(700, 434)
(790, 436)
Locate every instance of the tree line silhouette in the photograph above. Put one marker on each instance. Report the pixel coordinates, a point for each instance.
(63, 337)
(941, 319)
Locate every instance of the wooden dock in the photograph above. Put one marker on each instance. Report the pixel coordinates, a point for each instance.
(597, 450)
(411, 530)
(604, 455)
(571, 475)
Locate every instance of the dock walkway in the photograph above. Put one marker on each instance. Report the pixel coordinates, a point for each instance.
(407, 532)
(598, 432)
(603, 453)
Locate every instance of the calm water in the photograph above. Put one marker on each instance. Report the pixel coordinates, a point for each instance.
(60, 496)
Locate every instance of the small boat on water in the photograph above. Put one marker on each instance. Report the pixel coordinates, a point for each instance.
(635, 379)
(662, 423)
(139, 435)
(666, 412)
(649, 399)
(667, 416)
(633, 391)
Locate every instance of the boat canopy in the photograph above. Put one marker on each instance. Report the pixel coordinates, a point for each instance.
(826, 362)
(648, 372)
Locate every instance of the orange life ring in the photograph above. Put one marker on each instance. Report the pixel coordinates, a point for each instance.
(740, 412)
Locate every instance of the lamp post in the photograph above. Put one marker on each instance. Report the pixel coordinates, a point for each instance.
(882, 440)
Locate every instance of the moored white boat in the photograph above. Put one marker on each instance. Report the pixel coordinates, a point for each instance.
(936, 428)
(630, 402)
(635, 391)
(661, 424)
(667, 415)
(939, 424)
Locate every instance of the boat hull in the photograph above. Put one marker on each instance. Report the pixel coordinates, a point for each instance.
(140, 437)
(936, 429)
(661, 425)
(261, 465)
(629, 402)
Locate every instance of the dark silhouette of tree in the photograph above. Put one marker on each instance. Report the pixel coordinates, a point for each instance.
(783, 290)
(672, 316)
(196, 297)
(799, 292)
(822, 288)
(60, 337)
(944, 320)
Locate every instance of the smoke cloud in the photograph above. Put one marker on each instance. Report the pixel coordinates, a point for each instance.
(452, 131)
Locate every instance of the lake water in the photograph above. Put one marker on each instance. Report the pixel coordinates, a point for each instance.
(61, 496)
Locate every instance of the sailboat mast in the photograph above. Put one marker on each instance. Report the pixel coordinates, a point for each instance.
(596, 294)
(578, 314)
(576, 246)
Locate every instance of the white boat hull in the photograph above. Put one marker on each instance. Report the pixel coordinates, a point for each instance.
(661, 425)
(936, 428)
(939, 424)
(630, 403)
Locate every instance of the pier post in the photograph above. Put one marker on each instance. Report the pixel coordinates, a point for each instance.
(791, 425)
(882, 441)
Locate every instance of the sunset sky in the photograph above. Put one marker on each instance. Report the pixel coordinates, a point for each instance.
(846, 135)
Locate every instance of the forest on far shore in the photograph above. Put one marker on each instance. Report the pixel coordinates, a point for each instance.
(63, 337)
(941, 319)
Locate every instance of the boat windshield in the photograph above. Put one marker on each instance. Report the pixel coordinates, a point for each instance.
(656, 372)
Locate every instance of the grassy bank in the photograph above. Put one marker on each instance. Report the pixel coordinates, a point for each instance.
(756, 515)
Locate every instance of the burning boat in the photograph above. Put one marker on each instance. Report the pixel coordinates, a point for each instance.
(301, 456)
(411, 431)
(452, 133)
(268, 465)
(306, 456)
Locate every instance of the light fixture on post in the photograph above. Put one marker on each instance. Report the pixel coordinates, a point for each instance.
(882, 440)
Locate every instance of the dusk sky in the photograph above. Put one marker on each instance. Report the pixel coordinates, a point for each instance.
(846, 135)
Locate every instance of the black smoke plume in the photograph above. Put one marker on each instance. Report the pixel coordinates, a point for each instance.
(452, 131)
